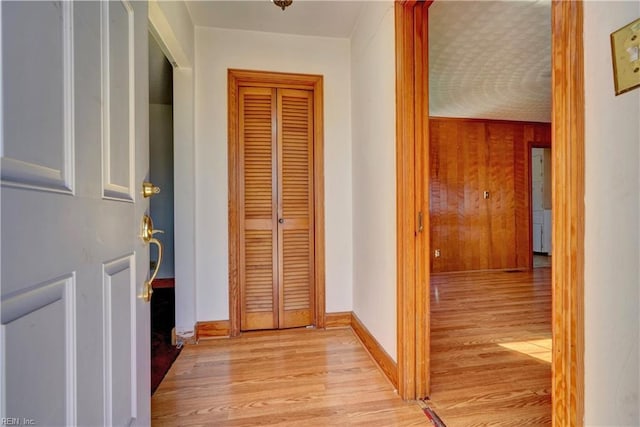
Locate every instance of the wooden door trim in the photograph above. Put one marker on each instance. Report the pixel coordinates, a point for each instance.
(237, 79)
(567, 182)
(412, 127)
(568, 202)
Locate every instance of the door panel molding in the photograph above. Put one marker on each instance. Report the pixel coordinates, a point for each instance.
(116, 187)
(23, 172)
(30, 302)
(113, 336)
(314, 83)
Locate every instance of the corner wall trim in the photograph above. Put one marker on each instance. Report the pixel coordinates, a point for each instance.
(213, 329)
(383, 360)
(339, 319)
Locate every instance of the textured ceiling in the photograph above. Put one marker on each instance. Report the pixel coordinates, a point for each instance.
(303, 17)
(490, 59)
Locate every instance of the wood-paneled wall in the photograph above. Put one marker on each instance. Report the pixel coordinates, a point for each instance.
(467, 158)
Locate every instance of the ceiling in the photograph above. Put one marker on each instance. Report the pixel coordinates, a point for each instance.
(490, 59)
(487, 59)
(304, 17)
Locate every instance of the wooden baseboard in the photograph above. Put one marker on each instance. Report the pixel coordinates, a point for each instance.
(340, 319)
(213, 329)
(221, 328)
(385, 362)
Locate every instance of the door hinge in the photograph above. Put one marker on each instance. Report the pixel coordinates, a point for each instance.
(420, 222)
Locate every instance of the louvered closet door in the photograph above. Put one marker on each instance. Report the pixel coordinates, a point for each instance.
(276, 187)
(295, 207)
(258, 213)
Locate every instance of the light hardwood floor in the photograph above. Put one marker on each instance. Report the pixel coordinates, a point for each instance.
(491, 348)
(300, 377)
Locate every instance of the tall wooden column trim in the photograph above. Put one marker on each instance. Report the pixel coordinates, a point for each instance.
(411, 153)
(568, 214)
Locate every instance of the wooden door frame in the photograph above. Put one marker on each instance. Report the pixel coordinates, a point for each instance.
(568, 201)
(412, 150)
(314, 83)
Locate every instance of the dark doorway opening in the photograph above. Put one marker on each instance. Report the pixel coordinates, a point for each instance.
(163, 348)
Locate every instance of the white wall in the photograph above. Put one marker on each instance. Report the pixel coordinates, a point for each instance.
(216, 51)
(612, 205)
(374, 172)
(184, 200)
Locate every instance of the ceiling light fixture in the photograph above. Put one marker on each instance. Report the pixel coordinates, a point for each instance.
(282, 3)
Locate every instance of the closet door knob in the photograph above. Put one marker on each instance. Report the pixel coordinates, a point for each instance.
(281, 220)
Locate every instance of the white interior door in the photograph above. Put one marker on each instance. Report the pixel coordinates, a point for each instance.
(74, 106)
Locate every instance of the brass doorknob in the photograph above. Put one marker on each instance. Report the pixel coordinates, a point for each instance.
(147, 236)
(147, 229)
(148, 189)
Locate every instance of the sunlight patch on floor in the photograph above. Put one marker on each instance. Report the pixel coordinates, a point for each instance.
(540, 349)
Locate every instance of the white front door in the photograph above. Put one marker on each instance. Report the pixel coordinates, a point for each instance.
(74, 333)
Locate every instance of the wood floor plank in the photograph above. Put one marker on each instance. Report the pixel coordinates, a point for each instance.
(280, 378)
(489, 341)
